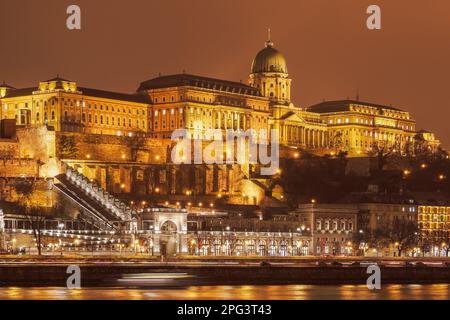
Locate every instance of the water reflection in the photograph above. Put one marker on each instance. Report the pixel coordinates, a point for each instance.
(250, 292)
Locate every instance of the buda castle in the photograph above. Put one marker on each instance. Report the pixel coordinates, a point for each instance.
(196, 103)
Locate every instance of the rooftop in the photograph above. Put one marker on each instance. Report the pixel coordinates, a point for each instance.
(344, 105)
(183, 80)
(131, 97)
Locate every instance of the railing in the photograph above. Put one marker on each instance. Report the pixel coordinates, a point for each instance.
(100, 196)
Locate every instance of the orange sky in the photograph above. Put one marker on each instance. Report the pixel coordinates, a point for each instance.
(329, 50)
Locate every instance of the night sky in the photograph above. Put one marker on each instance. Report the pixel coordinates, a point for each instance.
(329, 50)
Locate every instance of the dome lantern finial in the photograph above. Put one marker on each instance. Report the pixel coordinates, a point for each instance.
(269, 42)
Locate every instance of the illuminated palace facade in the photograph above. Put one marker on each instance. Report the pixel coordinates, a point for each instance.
(196, 103)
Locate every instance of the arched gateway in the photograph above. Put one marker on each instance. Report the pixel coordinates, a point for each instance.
(170, 237)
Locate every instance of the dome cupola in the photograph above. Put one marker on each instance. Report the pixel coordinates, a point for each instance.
(270, 75)
(269, 59)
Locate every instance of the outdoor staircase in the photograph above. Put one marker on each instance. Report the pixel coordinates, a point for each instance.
(99, 208)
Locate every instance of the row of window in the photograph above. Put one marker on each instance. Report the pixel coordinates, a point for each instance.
(334, 225)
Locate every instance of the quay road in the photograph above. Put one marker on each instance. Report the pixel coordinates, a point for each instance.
(140, 272)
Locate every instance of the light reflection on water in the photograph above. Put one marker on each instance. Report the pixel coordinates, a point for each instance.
(230, 292)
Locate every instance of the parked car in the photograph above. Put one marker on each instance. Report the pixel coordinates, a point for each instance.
(336, 264)
(265, 264)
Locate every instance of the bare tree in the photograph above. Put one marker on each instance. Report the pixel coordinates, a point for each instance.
(403, 233)
(35, 215)
(336, 141)
(382, 150)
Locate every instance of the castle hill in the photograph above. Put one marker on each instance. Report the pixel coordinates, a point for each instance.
(89, 174)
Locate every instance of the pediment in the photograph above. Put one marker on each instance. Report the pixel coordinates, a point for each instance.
(292, 116)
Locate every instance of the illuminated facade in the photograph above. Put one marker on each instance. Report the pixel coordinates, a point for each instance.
(61, 104)
(434, 223)
(360, 128)
(197, 103)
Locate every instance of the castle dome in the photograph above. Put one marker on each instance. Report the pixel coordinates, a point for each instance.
(269, 59)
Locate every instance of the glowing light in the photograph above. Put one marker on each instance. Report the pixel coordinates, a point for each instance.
(123, 156)
(296, 155)
(406, 172)
(157, 157)
(88, 156)
(423, 165)
(156, 190)
(313, 200)
(122, 186)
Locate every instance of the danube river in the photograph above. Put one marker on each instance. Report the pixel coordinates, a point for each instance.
(232, 292)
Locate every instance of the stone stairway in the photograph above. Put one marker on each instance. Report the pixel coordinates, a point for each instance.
(98, 206)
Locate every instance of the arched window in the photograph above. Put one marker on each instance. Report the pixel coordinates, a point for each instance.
(250, 246)
(273, 248)
(283, 248)
(261, 248)
(216, 247)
